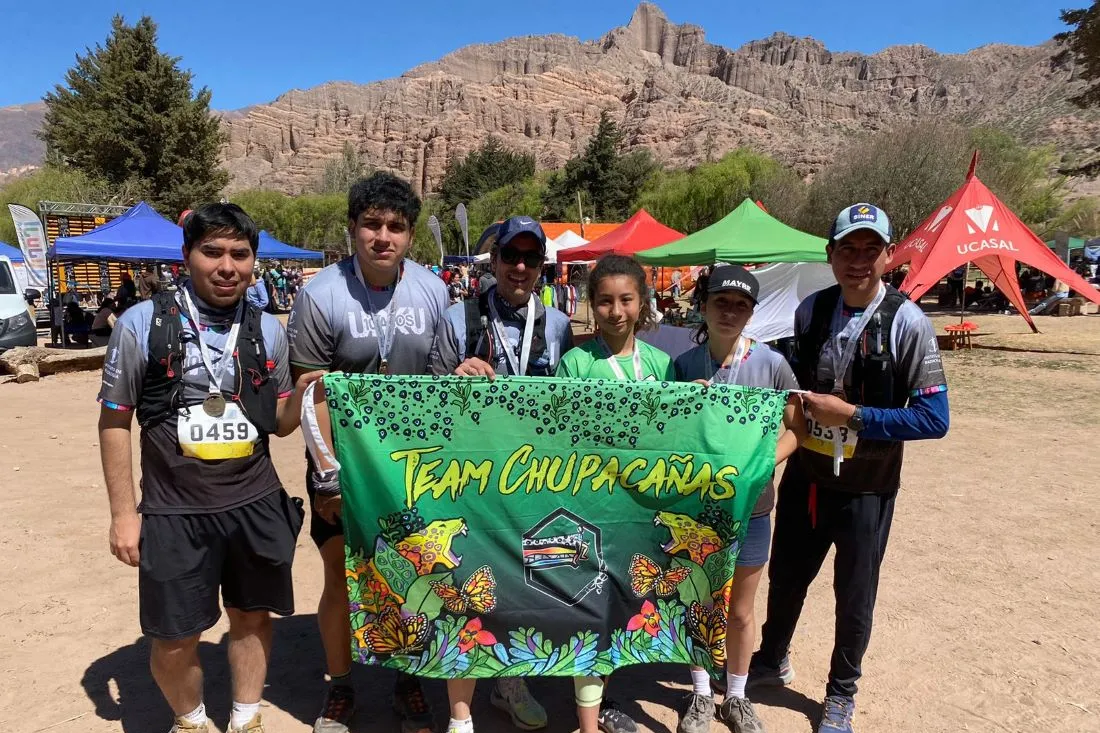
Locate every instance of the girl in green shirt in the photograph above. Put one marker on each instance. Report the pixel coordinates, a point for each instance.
(617, 292)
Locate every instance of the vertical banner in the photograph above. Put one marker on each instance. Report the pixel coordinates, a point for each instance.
(32, 240)
(464, 223)
(534, 527)
(433, 227)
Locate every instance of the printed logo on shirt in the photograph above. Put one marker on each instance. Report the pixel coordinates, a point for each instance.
(409, 321)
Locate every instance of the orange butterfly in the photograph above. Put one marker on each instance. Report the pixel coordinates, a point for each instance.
(645, 575)
(708, 626)
(477, 593)
(392, 633)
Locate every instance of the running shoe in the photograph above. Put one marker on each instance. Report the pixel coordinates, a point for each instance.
(696, 714)
(337, 710)
(613, 720)
(763, 675)
(411, 707)
(511, 695)
(739, 716)
(256, 725)
(837, 715)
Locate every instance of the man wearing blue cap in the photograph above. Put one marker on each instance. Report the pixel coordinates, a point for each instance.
(869, 358)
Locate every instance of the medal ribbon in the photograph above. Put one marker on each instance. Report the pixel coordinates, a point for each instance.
(518, 368)
(385, 335)
(735, 365)
(843, 355)
(216, 375)
(636, 359)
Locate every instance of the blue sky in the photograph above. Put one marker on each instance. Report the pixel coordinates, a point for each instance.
(250, 52)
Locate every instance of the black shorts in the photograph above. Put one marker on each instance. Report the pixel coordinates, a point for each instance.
(247, 552)
(320, 529)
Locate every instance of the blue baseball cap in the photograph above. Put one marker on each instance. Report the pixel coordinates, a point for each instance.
(861, 216)
(517, 225)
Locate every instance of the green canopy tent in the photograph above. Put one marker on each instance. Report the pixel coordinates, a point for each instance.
(746, 234)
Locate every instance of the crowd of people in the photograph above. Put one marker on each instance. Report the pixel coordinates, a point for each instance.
(214, 521)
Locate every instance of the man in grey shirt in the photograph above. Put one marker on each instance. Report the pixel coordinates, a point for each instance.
(374, 312)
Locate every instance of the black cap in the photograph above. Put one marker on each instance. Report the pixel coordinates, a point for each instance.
(733, 278)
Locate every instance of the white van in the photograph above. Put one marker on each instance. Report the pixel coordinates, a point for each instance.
(16, 324)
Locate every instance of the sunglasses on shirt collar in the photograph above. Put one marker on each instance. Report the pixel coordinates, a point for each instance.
(512, 256)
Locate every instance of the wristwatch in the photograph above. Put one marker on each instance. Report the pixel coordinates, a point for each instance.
(855, 422)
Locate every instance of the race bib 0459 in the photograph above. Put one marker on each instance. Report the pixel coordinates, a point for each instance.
(215, 438)
(821, 438)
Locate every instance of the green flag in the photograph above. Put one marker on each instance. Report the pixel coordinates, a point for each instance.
(526, 527)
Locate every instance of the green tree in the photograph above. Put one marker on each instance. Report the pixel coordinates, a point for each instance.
(608, 180)
(127, 114)
(911, 170)
(689, 200)
(315, 221)
(1083, 46)
(57, 184)
(341, 172)
(485, 169)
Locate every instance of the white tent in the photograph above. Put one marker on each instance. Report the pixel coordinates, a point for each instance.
(566, 239)
(782, 287)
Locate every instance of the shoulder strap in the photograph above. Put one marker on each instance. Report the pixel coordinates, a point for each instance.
(476, 310)
(809, 342)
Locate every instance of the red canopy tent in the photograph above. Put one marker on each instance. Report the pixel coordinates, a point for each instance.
(974, 226)
(637, 233)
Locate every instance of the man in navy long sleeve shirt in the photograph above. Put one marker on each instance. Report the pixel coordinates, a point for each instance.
(870, 360)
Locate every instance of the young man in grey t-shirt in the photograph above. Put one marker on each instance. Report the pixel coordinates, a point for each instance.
(374, 312)
(869, 358)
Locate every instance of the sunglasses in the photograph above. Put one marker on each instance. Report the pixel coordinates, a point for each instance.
(513, 256)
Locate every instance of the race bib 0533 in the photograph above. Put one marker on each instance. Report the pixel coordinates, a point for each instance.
(821, 438)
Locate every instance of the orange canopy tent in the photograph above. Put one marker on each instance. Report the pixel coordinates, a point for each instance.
(974, 226)
(637, 233)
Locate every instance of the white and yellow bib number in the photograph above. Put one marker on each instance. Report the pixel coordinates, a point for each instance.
(821, 438)
(215, 438)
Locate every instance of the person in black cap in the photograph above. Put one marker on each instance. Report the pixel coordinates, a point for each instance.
(726, 356)
(869, 356)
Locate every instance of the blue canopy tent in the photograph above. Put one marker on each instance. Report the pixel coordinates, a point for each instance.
(459, 260)
(272, 249)
(139, 235)
(12, 253)
(143, 235)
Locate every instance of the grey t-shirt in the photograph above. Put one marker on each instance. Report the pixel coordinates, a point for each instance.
(332, 325)
(761, 366)
(450, 348)
(172, 483)
(915, 359)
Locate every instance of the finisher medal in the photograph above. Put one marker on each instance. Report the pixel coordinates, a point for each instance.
(384, 367)
(214, 405)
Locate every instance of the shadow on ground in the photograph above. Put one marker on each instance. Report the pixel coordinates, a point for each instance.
(122, 689)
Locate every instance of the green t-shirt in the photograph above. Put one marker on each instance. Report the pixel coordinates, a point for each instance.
(589, 361)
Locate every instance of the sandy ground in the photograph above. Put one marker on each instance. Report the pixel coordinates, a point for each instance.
(986, 618)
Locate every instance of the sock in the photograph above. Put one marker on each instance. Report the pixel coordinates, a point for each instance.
(340, 680)
(461, 726)
(243, 713)
(196, 716)
(735, 684)
(700, 682)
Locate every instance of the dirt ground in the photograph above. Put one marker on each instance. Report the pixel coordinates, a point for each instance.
(986, 617)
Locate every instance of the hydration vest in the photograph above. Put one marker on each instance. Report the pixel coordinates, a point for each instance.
(482, 342)
(254, 389)
(874, 382)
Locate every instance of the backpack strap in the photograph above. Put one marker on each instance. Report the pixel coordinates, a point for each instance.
(164, 368)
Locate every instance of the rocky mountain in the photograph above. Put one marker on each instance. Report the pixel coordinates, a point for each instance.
(20, 149)
(675, 93)
(685, 99)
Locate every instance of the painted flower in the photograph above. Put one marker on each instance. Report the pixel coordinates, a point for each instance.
(649, 619)
(472, 634)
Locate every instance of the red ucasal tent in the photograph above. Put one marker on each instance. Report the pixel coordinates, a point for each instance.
(974, 226)
(637, 233)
